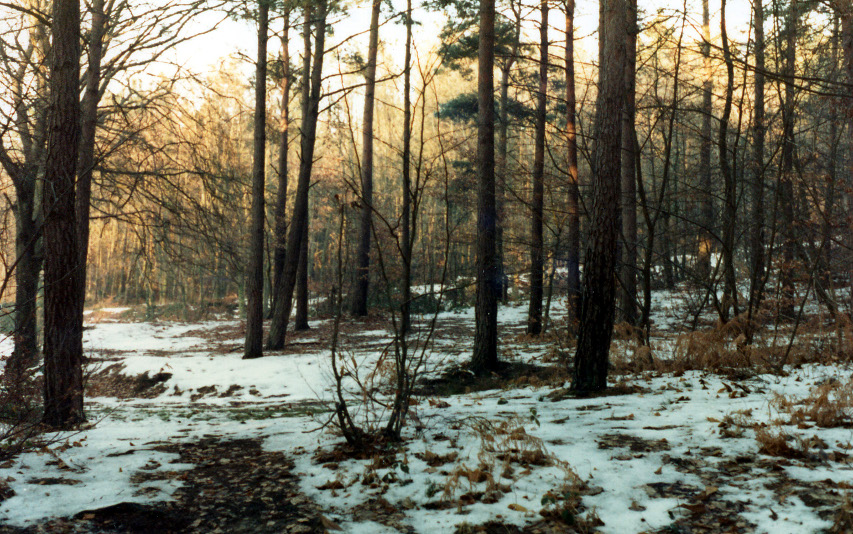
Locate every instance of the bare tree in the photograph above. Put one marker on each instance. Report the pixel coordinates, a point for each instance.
(485, 356)
(311, 91)
(573, 256)
(706, 205)
(599, 287)
(534, 313)
(255, 277)
(362, 273)
(63, 322)
(756, 228)
(280, 243)
(628, 275)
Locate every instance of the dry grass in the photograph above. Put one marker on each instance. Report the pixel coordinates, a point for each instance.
(828, 405)
(506, 453)
(775, 443)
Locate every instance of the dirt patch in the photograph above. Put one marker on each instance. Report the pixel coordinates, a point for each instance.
(236, 487)
(111, 382)
(458, 380)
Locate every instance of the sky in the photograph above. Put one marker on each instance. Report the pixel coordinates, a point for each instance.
(238, 37)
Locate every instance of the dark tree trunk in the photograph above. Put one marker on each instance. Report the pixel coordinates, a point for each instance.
(846, 15)
(25, 352)
(502, 173)
(89, 122)
(280, 244)
(706, 207)
(534, 312)
(786, 186)
(599, 287)
(296, 232)
(485, 357)
(628, 286)
(255, 276)
(573, 253)
(362, 270)
(63, 322)
(300, 322)
(729, 183)
(756, 228)
(407, 181)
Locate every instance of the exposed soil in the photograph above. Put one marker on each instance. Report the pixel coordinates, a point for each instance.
(235, 487)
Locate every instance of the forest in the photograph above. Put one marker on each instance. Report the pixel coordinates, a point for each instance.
(497, 266)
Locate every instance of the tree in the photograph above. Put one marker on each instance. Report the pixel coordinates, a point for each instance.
(485, 357)
(534, 313)
(362, 272)
(63, 322)
(756, 228)
(729, 182)
(255, 277)
(786, 177)
(573, 255)
(628, 275)
(706, 206)
(599, 288)
(28, 120)
(407, 234)
(280, 236)
(89, 123)
(312, 76)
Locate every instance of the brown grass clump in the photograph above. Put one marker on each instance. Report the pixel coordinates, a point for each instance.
(843, 520)
(828, 405)
(775, 443)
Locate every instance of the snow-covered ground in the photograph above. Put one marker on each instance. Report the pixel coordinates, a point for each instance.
(671, 446)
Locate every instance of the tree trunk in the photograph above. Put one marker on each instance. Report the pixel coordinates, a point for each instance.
(485, 357)
(407, 181)
(502, 173)
(255, 277)
(573, 253)
(534, 312)
(63, 322)
(311, 110)
(846, 15)
(89, 122)
(300, 322)
(599, 288)
(756, 229)
(280, 244)
(362, 270)
(706, 207)
(628, 286)
(786, 186)
(729, 183)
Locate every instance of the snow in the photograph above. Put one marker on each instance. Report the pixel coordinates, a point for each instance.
(620, 444)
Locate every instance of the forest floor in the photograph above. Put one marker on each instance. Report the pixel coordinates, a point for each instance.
(698, 434)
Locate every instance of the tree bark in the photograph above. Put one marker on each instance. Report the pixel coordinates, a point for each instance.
(311, 109)
(756, 229)
(362, 270)
(280, 245)
(599, 288)
(573, 253)
(407, 181)
(89, 122)
(63, 322)
(786, 185)
(485, 357)
(255, 276)
(729, 182)
(628, 286)
(534, 312)
(300, 322)
(706, 207)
